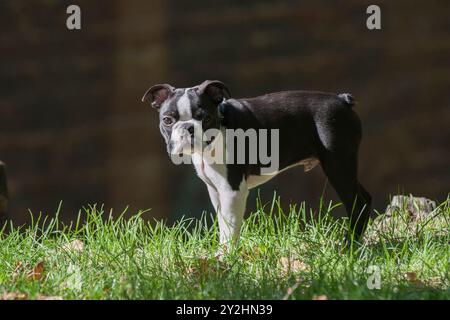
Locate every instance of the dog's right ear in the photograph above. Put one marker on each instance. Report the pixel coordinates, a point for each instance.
(158, 94)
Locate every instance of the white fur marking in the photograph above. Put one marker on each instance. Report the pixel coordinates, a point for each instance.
(254, 181)
(181, 138)
(184, 107)
(231, 213)
(230, 203)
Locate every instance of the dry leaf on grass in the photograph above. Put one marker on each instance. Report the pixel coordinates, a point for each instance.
(24, 296)
(201, 267)
(37, 273)
(412, 277)
(17, 270)
(42, 297)
(74, 246)
(206, 266)
(251, 253)
(321, 297)
(292, 265)
(13, 296)
(291, 290)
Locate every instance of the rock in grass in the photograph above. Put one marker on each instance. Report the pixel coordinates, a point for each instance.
(404, 216)
(415, 207)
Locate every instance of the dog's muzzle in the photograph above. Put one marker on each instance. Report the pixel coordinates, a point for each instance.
(182, 139)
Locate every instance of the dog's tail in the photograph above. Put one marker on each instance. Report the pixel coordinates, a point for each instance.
(347, 98)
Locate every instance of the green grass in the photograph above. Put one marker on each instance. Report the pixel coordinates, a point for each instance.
(133, 259)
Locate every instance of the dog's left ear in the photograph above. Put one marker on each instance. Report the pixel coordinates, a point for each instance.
(215, 89)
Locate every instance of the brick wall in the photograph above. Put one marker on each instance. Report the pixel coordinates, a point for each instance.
(73, 128)
(55, 97)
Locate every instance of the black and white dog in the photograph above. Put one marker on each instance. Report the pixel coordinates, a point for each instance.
(311, 128)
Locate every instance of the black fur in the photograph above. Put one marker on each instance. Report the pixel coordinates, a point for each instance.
(311, 124)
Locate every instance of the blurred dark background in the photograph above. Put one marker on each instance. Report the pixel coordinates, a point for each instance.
(72, 126)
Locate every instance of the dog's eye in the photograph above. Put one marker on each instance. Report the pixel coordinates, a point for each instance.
(168, 121)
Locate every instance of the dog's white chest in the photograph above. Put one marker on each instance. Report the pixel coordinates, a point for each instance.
(212, 174)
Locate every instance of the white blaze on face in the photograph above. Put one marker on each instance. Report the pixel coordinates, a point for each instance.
(184, 107)
(180, 136)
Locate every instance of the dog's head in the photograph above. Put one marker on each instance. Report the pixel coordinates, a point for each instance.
(186, 113)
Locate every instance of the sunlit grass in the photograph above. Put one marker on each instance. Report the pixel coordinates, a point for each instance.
(280, 255)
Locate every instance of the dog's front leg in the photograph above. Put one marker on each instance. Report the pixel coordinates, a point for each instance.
(231, 214)
(214, 197)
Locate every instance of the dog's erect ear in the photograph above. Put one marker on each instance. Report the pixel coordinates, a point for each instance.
(215, 89)
(158, 94)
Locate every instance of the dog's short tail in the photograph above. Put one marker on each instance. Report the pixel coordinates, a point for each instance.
(347, 98)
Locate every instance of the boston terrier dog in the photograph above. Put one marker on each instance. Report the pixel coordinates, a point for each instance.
(310, 128)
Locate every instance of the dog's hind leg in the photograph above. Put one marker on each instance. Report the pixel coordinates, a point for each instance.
(341, 171)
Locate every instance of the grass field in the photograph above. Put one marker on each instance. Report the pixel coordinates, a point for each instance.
(281, 256)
